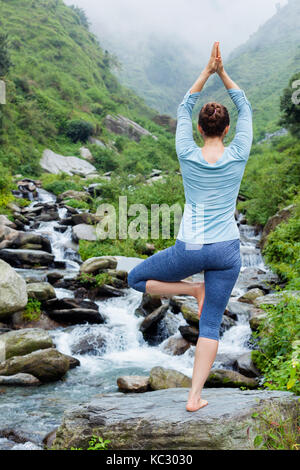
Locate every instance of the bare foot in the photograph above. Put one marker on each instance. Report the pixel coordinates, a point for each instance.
(199, 294)
(195, 403)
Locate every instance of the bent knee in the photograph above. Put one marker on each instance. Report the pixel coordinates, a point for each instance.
(135, 282)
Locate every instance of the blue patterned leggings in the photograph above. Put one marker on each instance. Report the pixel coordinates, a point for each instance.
(221, 263)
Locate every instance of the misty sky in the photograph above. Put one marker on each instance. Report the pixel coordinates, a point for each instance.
(194, 21)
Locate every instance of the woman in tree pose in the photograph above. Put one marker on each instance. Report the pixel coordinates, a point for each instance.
(208, 238)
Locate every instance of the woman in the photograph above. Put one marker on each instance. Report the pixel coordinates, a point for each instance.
(208, 238)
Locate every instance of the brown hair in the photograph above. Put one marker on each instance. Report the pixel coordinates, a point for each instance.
(213, 119)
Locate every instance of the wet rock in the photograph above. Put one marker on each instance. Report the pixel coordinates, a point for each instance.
(73, 362)
(49, 439)
(48, 365)
(54, 276)
(124, 126)
(226, 324)
(95, 189)
(21, 258)
(153, 318)
(229, 378)
(190, 333)
(189, 310)
(176, 346)
(13, 293)
(160, 420)
(91, 342)
(22, 342)
(148, 304)
(69, 303)
(10, 238)
(19, 380)
(245, 366)
(251, 295)
(176, 303)
(55, 164)
(6, 222)
(18, 322)
(84, 232)
(94, 265)
(161, 378)
(76, 316)
(41, 291)
(281, 216)
(133, 383)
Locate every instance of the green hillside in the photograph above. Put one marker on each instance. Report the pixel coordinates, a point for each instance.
(58, 74)
(263, 67)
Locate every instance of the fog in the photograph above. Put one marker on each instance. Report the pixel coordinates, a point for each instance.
(194, 22)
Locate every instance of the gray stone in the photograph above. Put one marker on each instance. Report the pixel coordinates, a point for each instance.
(84, 232)
(13, 294)
(282, 216)
(22, 342)
(93, 265)
(153, 318)
(19, 380)
(159, 420)
(18, 258)
(40, 291)
(275, 298)
(251, 295)
(133, 383)
(176, 346)
(161, 378)
(55, 164)
(86, 154)
(48, 365)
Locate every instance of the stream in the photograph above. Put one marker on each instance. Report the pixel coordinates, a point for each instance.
(34, 411)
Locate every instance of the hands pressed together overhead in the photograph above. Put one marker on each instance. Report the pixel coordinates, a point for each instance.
(215, 64)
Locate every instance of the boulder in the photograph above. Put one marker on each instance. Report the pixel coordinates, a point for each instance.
(282, 216)
(55, 164)
(92, 342)
(190, 333)
(19, 258)
(76, 316)
(13, 293)
(133, 383)
(275, 298)
(22, 342)
(124, 126)
(40, 291)
(229, 378)
(85, 218)
(176, 346)
(158, 420)
(6, 222)
(161, 378)
(19, 380)
(86, 154)
(10, 238)
(48, 365)
(257, 317)
(153, 318)
(84, 232)
(245, 366)
(94, 265)
(97, 142)
(251, 295)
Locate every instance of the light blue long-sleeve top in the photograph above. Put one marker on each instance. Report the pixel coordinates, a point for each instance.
(211, 190)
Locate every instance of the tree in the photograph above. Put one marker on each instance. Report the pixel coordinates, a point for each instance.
(5, 62)
(81, 15)
(290, 106)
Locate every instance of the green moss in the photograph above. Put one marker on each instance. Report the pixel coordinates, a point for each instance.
(32, 310)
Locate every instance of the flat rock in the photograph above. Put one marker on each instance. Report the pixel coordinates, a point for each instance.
(94, 265)
(19, 380)
(158, 420)
(55, 164)
(18, 258)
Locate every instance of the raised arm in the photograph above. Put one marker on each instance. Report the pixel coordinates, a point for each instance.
(184, 133)
(242, 141)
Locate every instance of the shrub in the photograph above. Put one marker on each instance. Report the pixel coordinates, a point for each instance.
(79, 130)
(32, 310)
